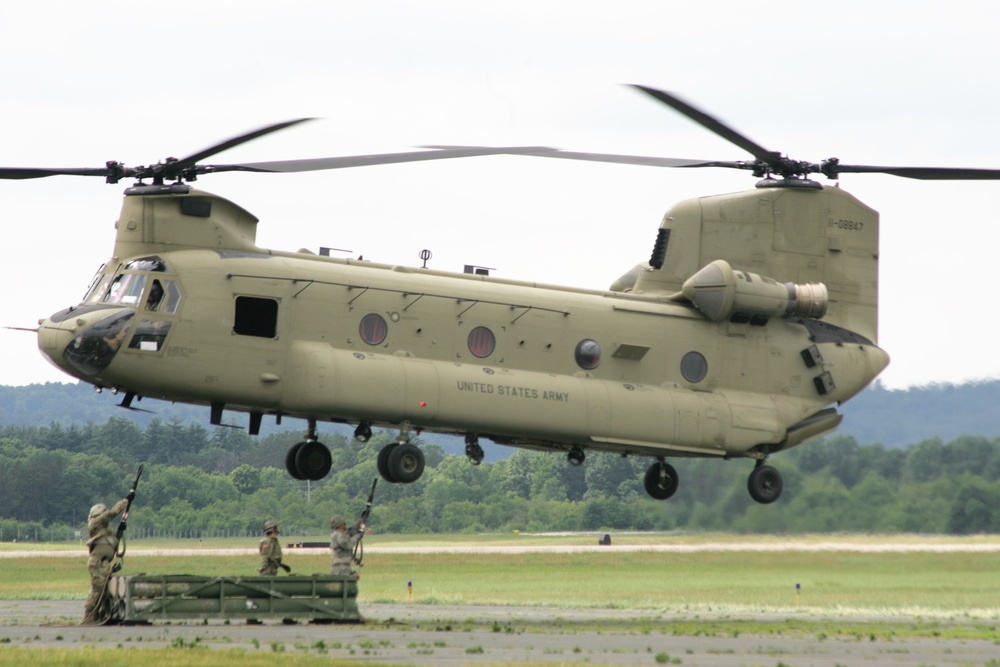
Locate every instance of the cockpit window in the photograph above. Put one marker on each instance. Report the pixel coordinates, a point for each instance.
(155, 295)
(147, 264)
(93, 350)
(98, 286)
(126, 289)
(172, 298)
(149, 335)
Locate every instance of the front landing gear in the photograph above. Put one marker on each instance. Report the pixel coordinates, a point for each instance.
(401, 462)
(765, 483)
(309, 460)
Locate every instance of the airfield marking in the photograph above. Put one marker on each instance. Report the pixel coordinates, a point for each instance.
(800, 547)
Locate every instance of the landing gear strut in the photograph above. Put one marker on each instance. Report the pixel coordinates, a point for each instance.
(310, 459)
(473, 450)
(363, 433)
(401, 462)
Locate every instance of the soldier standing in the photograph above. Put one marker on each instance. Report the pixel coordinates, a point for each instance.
(342, 542)
(270, 551)
(102, 544)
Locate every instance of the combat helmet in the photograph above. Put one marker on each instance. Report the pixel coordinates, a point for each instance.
(337, 520)
(270, 526)
(97, 510)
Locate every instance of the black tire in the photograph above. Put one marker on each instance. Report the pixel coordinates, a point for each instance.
(313, 461)
(765, 484)
(661, 480)
(383, 461)
(290, 465)
(405, 463)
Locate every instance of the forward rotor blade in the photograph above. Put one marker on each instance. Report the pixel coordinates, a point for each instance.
(711, 123)
(235, 141)
(22, 173)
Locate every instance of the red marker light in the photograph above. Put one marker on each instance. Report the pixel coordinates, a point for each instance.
(423, 404)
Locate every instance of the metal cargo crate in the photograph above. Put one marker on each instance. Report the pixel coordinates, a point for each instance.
(318, 597)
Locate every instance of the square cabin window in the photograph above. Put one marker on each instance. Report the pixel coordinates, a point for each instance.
(256, 317)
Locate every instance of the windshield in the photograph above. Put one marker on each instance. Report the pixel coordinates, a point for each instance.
(98, 286)
(126, 289)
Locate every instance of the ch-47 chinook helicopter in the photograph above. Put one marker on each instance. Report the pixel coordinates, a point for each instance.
(755, 316)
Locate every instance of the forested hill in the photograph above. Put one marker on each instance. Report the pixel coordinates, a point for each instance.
(894, 418)
(204, 481)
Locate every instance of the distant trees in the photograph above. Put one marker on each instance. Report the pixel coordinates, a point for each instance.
(201, 482)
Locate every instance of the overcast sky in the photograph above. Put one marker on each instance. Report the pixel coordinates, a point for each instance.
(884, 83)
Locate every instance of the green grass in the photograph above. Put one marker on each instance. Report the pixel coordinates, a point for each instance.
(929, 584)
(853, 595)
(167, 657)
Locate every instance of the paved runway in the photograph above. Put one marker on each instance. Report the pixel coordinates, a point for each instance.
(415, 634)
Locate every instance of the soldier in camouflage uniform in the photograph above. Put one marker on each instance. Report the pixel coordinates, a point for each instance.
(270, 550)
(102, 544)
(342, 542)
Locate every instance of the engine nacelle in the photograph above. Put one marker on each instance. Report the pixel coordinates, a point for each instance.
(722, 293)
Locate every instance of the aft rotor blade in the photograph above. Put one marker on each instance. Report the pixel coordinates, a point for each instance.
(710, 122)
(640, 160)
(925, 173)
(317, 164)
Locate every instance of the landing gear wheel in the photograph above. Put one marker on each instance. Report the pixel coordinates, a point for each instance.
(313, 460)
(293, 469)
(383, 461)
(764, 484)
(576, 456)
(661, 480)
(405, 463)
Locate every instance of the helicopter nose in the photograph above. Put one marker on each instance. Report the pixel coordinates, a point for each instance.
(53, 338)
(861, 365)
(83, 342)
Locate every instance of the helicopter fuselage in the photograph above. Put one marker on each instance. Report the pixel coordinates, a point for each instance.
(327, 339)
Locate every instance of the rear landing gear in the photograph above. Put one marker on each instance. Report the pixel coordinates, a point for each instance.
(576, 456)
(765, 483)
(309, 460)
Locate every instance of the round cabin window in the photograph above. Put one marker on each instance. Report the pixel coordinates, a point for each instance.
(373, 329)
(694, 367)
(482, 342)
(588, 354)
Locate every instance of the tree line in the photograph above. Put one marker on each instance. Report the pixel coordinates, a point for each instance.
(200, 482)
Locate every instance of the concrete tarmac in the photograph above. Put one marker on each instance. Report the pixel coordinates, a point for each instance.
(417, 634)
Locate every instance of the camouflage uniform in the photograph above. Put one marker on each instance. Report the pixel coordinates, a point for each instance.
(270, 550)
(342, 542)
(103, 543)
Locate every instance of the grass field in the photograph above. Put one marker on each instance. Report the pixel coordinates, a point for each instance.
(851, 586)
(928, 584)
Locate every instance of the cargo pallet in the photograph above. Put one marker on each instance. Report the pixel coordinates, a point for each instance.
(322, 598)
